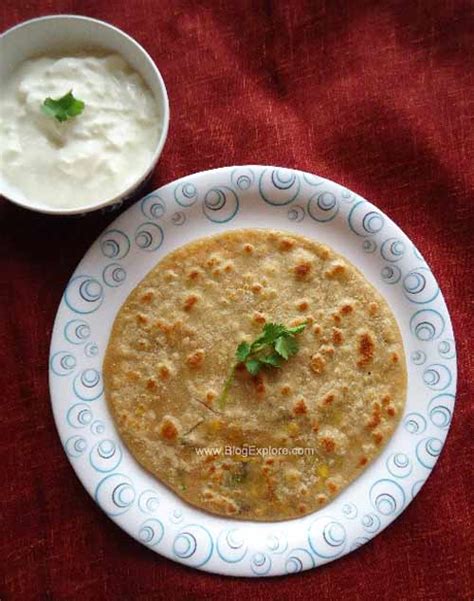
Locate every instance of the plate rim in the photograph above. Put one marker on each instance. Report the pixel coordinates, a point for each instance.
(136, 207)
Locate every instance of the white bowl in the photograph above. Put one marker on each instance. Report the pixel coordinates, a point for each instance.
(70, 34)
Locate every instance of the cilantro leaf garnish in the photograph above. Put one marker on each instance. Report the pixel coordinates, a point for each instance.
(271, 331)
(253, 366)
(271, 348)
(297, 329)
(63, 108)
(286, 346)
(274, 360)
(243, 351)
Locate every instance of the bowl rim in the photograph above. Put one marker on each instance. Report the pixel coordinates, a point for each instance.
(30, 204)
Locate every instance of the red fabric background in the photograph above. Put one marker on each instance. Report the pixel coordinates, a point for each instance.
(375, 95)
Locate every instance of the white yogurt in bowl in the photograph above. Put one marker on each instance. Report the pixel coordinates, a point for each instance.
(100, 152)
(98, 156)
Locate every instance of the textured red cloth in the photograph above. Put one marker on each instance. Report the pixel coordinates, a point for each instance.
(375, 95)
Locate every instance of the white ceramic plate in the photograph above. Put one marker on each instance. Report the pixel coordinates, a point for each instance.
(207, 203)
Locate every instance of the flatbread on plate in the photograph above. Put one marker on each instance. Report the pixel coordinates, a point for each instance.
(314, 423)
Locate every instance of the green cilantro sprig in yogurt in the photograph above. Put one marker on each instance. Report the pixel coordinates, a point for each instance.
(63, 108)
(76, 128)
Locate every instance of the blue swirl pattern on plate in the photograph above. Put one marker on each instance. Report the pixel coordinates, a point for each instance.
(261, 564)
(149, 236)
(91, 349)
(392, 249)
(323, 206)
(77, 331)
(153, 206)
(97, 427)
(369, 245)
(296, 213)
(277, 542)
(387, 497)
(186, 194)
(427, 324)
(391, 274)
(75, 446)
(299, 560)
(105, 455)
(114, 244)
(428, 450)
(176, 516)
(418, 357)
(79, 415)
(84, 294)
(220, 204)
(88, 385)
(447, 349)
(114, 275)
(420, 286)
(115, 494)
(178, 218)
(399, 465)
(437, 376)
(151, 532)
(231, 546)
(440, 410)
(414, 423)
(371, 522)
(195, 544)
(279, 186)
(242, 177)
(365, 220)
(327, 537)
(149, 501)
(62, 363)
(350, 511)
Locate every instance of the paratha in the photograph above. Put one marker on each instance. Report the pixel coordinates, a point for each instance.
(340, 396)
